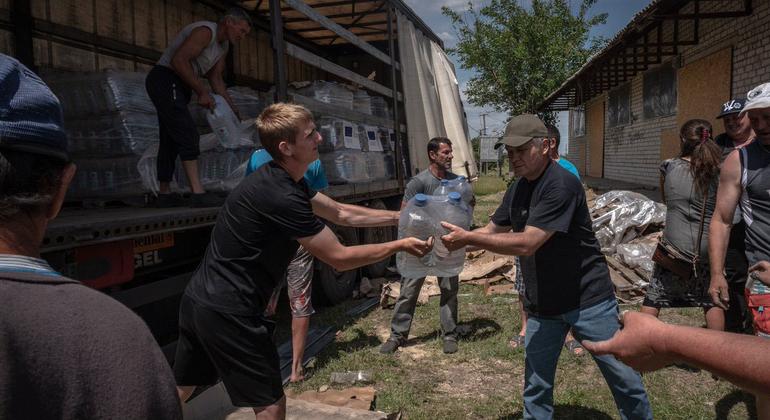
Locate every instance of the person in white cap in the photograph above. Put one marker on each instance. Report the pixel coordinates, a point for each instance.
(745, 179)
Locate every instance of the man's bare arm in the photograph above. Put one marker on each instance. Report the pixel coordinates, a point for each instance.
(190, 49)
(326, 247)
(507, 243)
(352, 215)
(646, 344)
(218, 84)
(728, 194)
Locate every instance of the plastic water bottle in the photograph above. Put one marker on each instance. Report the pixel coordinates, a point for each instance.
(444, 188)
(224, 123)
(415, 221)
(456, 212)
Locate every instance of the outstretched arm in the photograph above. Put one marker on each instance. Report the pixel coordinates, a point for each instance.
(495, 240)
(646, 344)
(352, 215)
(325, 246)
(728, 194)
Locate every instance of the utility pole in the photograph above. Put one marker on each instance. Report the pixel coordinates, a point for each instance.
(483, 134)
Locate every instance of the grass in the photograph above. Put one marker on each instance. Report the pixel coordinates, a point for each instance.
(485, 378)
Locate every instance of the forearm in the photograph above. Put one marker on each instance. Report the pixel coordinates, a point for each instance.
(719, 234)
(508, 243)
(361, 255)
(184, 70)
(218, 86)
(359, 216)
(748, 365)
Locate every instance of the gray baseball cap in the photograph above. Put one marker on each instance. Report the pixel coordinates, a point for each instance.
(521, 129)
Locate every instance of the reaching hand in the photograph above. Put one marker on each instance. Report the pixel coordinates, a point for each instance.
(455, 239)
(761, 270)
(206, 100)
(417, 247)
(718, 291)
(637, 344)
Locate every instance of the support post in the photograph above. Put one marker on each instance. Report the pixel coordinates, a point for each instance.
(394, 86)
(23, 25)
(279, 53)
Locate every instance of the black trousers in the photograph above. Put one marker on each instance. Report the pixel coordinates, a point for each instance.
(178, 135)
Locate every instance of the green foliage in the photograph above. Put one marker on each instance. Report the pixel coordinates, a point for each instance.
(522, 54)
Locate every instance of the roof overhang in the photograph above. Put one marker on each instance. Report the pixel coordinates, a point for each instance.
(653, 36)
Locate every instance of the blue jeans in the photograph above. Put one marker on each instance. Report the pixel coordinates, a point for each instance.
(545, 336)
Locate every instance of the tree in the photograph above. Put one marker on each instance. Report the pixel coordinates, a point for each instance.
(521, 54)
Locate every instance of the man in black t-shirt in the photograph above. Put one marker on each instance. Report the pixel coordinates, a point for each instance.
(544, 219)
(222, 330)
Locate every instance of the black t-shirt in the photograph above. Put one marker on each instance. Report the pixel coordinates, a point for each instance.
(253, 242)
(71, 352)
(568, 271)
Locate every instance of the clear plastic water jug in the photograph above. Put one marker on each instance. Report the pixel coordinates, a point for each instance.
(224, 123)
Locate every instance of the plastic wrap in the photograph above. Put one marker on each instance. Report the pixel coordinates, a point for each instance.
(637, 255)
(99, 93)
(329, 92)
(219, 169)
(362, 102)
(118, 134)
(380, 107)
(624, 214)
(105, 177)
(352, 166)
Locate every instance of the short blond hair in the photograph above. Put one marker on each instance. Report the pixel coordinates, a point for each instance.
(279, 122)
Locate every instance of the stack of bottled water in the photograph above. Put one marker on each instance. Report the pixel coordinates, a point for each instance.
(460, 185)
(421, 218)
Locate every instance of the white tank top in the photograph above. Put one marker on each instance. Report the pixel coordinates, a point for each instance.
(208, 56)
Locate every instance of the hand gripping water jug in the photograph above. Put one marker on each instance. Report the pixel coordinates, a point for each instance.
(224, 123)
(417, 222)
(456, 212)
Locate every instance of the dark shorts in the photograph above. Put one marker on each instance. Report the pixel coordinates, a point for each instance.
(235, 348)
(178, 135)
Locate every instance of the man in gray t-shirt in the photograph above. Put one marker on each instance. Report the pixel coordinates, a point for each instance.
(426, 182)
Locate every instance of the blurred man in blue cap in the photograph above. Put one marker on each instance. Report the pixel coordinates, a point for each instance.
(67, 351)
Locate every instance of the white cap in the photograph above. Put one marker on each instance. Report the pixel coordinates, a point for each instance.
(759, 97)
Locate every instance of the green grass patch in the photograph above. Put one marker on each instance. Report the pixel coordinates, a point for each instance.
(488, 184)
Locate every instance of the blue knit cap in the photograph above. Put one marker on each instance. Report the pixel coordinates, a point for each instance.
(30, 114)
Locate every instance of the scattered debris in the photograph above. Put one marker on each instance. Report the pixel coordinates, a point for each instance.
(478, 268)
(359, 398)
(371, 287)
(350, 377)
(297, 409)
(392, 290)
(500, 289)
(620, 216)
(323, 388)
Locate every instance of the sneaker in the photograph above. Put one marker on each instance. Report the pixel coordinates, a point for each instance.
(168, 200)
(206, 199)
(390, 346)
(450, 345)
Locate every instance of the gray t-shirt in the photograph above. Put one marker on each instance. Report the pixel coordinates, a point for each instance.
(70, 352)
(424, 183)
(684, 205)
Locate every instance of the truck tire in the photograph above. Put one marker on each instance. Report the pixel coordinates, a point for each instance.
(329, 285)
(374, 236)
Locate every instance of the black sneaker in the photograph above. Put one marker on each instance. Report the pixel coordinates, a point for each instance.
(390, 346)
(450, 345)
(168, 200)
(206, 199)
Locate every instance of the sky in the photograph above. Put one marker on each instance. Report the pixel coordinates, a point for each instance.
(620, 13)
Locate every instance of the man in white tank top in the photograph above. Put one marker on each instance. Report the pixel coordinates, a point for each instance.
(198, 51)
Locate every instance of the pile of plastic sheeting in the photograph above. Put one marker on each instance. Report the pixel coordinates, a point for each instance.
(620, 216)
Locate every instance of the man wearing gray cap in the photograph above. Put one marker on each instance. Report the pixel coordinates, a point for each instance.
(745, 179)
(738, 133)
(544, 220)
(66, 351)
